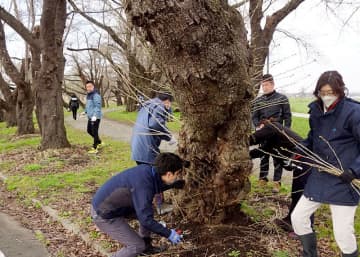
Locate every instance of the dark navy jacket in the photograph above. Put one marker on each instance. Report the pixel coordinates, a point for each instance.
(148, 131)
(273, 105)
(131, 192)
(340, 127)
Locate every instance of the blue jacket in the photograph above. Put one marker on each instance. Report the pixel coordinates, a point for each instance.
(148, 131)
(340, 127)
(131, 192)
(93, 105)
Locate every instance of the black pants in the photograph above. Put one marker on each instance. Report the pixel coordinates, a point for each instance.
(74, 111)
(264, 164)
(93, 130)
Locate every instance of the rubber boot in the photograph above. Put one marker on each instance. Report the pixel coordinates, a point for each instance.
(308, 242)
(354, 254)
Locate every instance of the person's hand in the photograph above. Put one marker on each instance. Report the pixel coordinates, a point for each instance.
(93, 118)
(347, 176)
(172, 141)
(178, 184)
(83, 113)
(174, 237)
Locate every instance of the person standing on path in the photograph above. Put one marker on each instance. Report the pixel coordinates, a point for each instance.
(74, 105)
(275, 106)
(334, 137)
(129, 194)
(93, 111)
(150, 128)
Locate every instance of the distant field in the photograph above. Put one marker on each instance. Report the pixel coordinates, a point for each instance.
(300, 104)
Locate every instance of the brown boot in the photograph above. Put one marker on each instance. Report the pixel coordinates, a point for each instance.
(276, 187)
(262, 182)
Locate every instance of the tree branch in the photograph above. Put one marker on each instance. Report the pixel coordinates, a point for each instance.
(16, 25)
(239, 4)
(273, 20)
(9, 66)
(108, 29)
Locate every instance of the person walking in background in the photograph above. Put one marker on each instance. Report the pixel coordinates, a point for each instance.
(129, 194)
(93, 111)
(275, 106)
(150, 128)
(74, 105)
(334, 137)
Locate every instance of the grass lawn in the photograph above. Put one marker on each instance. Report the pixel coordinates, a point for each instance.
(299, 104)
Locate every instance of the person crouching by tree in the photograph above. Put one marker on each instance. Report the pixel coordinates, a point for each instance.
(130, 194)
(93, 111)
(74, 105)
(276, 139)
(334, 137)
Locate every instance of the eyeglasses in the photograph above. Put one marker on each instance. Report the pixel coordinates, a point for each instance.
(325, 92)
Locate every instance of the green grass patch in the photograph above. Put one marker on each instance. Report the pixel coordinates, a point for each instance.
(300, 104)
(7, 143)
(32, 167)
(300, 126)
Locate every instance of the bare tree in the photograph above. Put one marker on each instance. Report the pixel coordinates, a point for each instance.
(46, 47)
(214, 72)
(139, 74)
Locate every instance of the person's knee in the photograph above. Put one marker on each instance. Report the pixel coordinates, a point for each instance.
(296, 219)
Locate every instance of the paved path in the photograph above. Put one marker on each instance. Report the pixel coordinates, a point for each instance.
(16, 241)
(301, 115)
(113, 129)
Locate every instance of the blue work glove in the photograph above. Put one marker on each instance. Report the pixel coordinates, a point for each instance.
(174, 237)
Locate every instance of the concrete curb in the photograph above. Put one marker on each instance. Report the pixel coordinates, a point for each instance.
(67, 224)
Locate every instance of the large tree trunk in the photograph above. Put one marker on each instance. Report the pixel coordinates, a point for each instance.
(49, 103)
(203, 48)
(24, 111)
(10, 115)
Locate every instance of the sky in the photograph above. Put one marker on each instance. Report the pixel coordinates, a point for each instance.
(329, 46)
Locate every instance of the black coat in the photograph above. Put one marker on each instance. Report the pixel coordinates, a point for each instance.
(272, 137)
(273, 105)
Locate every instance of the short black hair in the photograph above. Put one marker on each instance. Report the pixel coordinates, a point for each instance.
(165, 162)
(165, 96)
(267, 77)
(90, 82)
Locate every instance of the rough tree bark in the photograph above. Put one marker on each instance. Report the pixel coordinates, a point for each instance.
(48, 92)
(202, 47)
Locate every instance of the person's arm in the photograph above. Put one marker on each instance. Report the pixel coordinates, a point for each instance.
(286, 113)
(142, 200)
(262, 134)
(97, 106)
(355, 129)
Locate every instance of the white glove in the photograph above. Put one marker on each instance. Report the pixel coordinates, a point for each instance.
(172, 141)
(93, 118)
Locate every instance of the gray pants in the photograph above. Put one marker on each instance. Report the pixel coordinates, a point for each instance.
(119, 230)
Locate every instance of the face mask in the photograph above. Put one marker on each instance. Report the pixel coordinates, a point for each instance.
(328, 100)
